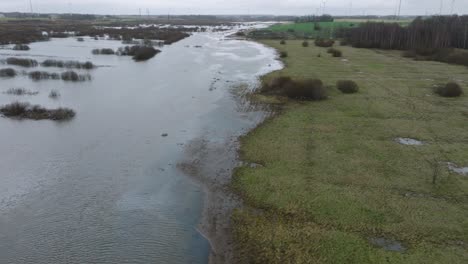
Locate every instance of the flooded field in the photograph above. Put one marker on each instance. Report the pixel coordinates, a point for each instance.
(105, 187)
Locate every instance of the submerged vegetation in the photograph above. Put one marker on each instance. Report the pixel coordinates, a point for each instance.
(21, 47)
(8, 72)
(19, 110)
(68, 64)
(43, 75)
(103, 52)
(72, 76)
(54, 94)
(21, 62)
(20, 91)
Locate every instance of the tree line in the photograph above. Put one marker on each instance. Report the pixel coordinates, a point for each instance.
(433, 33)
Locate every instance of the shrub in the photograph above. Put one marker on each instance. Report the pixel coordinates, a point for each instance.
(8, 72)
(68, 64)
(20, 91)
(54, 94)
(43, 75)
(80, 39)
(22, 62)
(344, 42)
(145, 53)
(103, 52)
(139, 53)
(347, 86)
(317, 27)
(277, 84)
(283, 42)
(451, 89)
(309, 89)
(26, 111)
(21, 47)
(335, 52)
(71, 76)
(283, 54)
(325, 43)
(305, 43)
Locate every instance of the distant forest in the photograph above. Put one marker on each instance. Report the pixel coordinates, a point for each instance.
(437, 32)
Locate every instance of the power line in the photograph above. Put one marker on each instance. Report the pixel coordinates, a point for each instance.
(451, 8)
(399, 10)
(30, 6)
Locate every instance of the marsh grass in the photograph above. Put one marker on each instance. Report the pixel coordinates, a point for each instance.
(333, 177)
(103, 51)
(8, 72)
(72, 76)
(19, 110)
(20, 91)
(302, 89)
(68, 64)
(21, 62)
(54, 94)
(43, 75)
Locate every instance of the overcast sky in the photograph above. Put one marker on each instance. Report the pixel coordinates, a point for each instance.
(275, 7)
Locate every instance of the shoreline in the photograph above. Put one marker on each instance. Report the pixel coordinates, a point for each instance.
(220, 200)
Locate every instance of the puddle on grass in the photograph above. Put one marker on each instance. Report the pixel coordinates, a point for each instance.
(409, 141)
(460, 170)
(387, 244)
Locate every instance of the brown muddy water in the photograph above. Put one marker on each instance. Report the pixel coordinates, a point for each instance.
(107, 187)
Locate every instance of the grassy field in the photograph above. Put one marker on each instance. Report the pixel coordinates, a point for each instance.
(333, 177)
(326, 29)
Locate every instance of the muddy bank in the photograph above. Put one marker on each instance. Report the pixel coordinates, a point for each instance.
(212, 158)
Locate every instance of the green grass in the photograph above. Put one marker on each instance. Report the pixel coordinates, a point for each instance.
(327, 29)
(333, 177)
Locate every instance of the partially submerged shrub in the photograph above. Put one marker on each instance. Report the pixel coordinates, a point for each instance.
(145, 53)
(305, 43)
(68, 64)
(20, 91)
(43, 75)
(22, 47)
(139, 53)
(8, 72)
(283, 42)
(335, 52)
(80, 39)
(27, 111)
(283, 54)
(71, 76)
(22, 62)
(347, 86)
(309, 89)
(103, 52)
(54, 94)
(325, 43)
(451, 89)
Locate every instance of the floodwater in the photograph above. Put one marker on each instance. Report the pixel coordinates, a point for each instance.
(105, 187)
